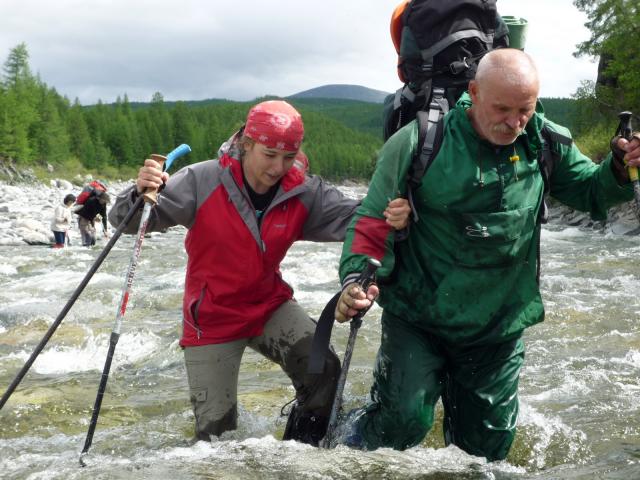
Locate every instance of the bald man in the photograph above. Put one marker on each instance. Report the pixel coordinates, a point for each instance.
(458, 293)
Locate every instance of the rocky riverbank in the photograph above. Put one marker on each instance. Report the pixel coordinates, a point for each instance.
(622, 219)
(27, 205)
(26, 209)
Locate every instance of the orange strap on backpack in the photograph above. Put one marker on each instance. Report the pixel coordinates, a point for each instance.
(396, 32)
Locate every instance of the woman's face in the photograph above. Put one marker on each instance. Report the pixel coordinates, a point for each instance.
(264, 166)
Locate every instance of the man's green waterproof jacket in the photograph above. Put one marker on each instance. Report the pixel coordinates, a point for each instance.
(468, 270)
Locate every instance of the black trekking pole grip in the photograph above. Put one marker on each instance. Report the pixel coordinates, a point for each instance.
(365, 279)
(625, 130)
(96, 264)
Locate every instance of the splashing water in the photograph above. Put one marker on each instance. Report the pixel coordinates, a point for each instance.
(579, 388)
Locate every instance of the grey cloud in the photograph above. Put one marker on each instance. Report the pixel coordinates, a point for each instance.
(199, 49)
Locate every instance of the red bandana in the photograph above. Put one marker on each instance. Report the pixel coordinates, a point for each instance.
(275, 124)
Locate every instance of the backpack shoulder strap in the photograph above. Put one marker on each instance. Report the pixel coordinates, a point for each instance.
(430, 133)
(555, 136)
(548, 160)
(550, 156)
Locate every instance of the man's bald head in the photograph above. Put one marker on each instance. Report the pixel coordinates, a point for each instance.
(510, 67)
(504, 95)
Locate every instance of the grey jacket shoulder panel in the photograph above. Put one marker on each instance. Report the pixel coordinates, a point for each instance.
(330, 211)
(178, 202)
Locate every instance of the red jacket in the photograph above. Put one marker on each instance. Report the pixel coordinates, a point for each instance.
(233, 281)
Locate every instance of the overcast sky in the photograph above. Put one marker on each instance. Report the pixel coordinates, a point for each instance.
(240, 50)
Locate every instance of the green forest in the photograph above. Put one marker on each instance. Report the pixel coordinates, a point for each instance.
(38, 126)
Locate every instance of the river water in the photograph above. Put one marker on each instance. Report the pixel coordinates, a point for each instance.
(580, 386)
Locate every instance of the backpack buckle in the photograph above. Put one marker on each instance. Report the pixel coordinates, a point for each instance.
(459, 66)
(426, 69)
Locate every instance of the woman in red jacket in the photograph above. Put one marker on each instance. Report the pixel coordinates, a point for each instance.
(243, 211)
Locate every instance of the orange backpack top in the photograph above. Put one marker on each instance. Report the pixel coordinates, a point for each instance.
(396, 32)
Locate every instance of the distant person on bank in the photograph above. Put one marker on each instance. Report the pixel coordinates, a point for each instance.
(94, 207)
(61, 221)
(243, 212)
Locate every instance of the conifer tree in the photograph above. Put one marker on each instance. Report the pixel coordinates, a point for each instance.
(16, 67)
(49, 134)
(163, 122)
(80, 142)
(614, 39)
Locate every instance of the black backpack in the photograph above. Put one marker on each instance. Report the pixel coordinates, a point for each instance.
(439, 44)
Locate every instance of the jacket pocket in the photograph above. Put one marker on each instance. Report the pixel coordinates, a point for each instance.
(194, 308)
(494, 239)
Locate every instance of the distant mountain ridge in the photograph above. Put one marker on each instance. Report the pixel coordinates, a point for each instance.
(343, 91)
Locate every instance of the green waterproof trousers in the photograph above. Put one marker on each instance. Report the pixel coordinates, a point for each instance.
(414, 368)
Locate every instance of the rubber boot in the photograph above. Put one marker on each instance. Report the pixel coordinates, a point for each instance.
(58, 245)
(305, 427)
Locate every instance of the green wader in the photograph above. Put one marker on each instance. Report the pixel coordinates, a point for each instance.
(478, 386)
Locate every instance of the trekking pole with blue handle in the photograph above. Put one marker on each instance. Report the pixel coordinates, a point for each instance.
(150, 199)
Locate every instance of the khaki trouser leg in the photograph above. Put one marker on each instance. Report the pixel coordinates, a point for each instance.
(212, 370)
(286, 340)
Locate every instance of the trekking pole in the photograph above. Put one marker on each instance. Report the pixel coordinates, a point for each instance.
(364, 280)
(105, 251)
(625, 130)
(150, 199)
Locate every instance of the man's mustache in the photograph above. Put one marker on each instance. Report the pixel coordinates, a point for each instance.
(506, 129)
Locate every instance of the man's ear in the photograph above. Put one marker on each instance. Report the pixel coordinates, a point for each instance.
(473, 90)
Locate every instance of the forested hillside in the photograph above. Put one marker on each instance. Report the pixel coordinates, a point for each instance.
(561, 110)
(362, 116)
(37, 126)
